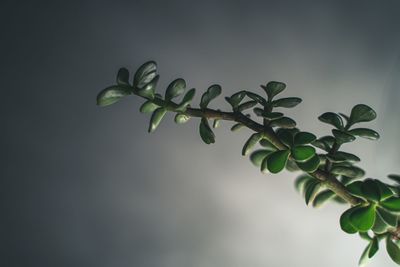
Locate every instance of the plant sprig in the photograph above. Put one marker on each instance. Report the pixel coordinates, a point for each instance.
(329, 174)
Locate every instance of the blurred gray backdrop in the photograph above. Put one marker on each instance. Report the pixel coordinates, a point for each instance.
(87, 186)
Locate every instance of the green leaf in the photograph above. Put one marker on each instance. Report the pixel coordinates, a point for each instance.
(112, 94)
(272, 115)
(380, 226)
(258, 156)
(286, 137)
(212, 92)
(387, 217)
(156, 118)
(251, 142)
(311, 189)
(149, 89)
(391, 204)
(345, 223)
(237, 127)
(291, 166)
(148, 107)
(365, 133)
(361, 113)
(288, 102)
(273, 88)
(236, 98)
(341, 156)
(393, 250)
(206, 133)
(310, 165)
(267, 144)
(123, 77)
(181, 118)
(277, 160)
(355, 189)
(247, 105)
(324, 143)
(352, 172)
(256, 97)
(332, 119)
(369, 252)
(303, 153)
(365, 236)
(301, 181)
(384, 190)
(394, 177)
(370, 190)
(283, 122)
(175, 88)
(304, 138)
(187, 99)
(322, 198)
(343, 137)
(363, 218)
(145, 74)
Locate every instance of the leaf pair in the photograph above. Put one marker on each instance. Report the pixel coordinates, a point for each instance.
(275, 119)
(212, 92)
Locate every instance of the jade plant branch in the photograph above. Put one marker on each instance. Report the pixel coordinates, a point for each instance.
(374, 205)
(328, 180)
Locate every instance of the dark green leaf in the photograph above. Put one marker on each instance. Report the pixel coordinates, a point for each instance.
(236, 98)
(283, 122)
(237, 127)
(387, 217)
(212, 92)
(332, 119)
(288, 102)
(303, 153)
(286, 137)
(251, 142)
(247, 105)
(322, 198)
(342, 137)
(181, 118)
(272, 115)
(187, 99)
(175, 88)
(353, 172)
(301, 181)
(380, 226)
(355, 189)
(369, 252)
(363, 218)
(112, 94)
(123, 76)
(292, 166)
(277, 160)
(391, 204)
(145, 74)
(361, 113)
(384, 190)
(148, 107)
(393, 250)
(257, 98)
(273, 88)
(341, 156)
(156, 118)
(370, 190)
(365, 236)
(345, 223)
(206, 133)
(311, 189)
(149, 89)
(267, 144)
(258, 156)
(310, 165)
(304, 138)
(365, 133)
(394, 177)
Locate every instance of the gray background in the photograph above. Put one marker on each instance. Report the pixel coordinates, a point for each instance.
(87, 186)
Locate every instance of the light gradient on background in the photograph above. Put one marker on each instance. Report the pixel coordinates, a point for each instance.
(87, 186)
